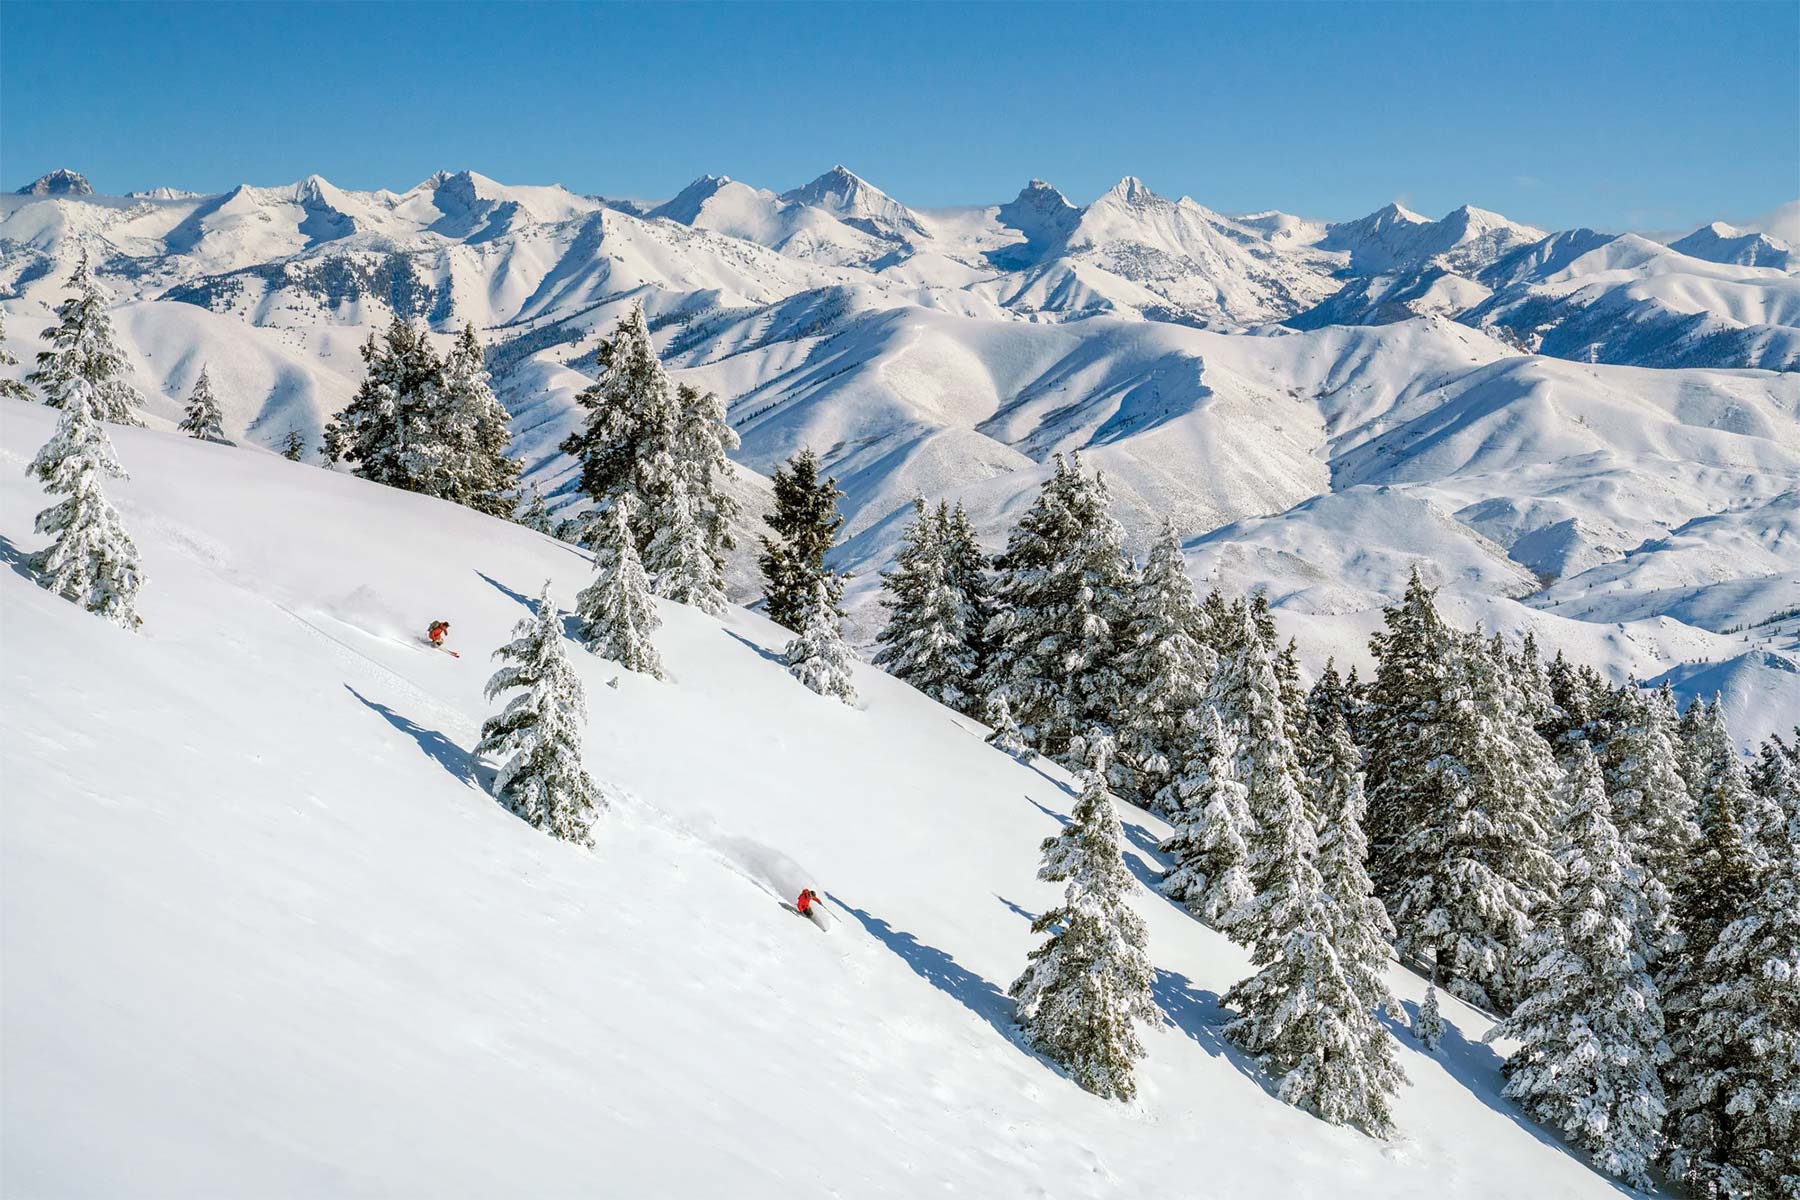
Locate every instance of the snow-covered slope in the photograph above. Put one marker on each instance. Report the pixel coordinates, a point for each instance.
(298, 951)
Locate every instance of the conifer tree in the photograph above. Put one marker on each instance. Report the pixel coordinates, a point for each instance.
(474, 426)
(1063, 593)
(1330, 697)
(1361, 930)
(1302, 1013)
(1209, 816)
(1005, 736)
(925, 639)
(1720, 888)
(1428, 1023)
(293, 446)
(1590, 1023)
(616, 613)
(629, 441)
(1738, 1127)
(10, 388)
(704, 440)
(389, 431)
(1651, 806)
(537, 736)
(818, 656)
(805, 520)
(203, 419)
(1166, 665)
(82, 348)
(967, 569)
(1089, 983)
(1533, 682)
(679, 556)
(534, 513)
(92, 561)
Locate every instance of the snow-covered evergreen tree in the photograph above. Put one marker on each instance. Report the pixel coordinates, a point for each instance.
(1302, 1013)
(474, 426)
(534, 513)
(616, 612)
(704, 440)
(1428, 1022)
(818, 656)
(1005, 736)
(537, 736)
(1209, 818)
(1166, 664)
(10, 388)
(967, 570)
(203, 420)
(628, 444)
(1533, 682)
(1651, 806)
(1590, 1024)
(925, 640)
(390, 430)
(82, 348)
(1737, 1132)
(1361, 930)
(805, 520)
(1247, 694)
(1090, 982)
(1720, 888)
(92, 561)
(293, 446)
(1063, 591)
(679, 556)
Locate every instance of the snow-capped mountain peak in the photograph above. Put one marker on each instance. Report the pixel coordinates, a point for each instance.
(855, 201)
(1722, 243)
(60, 182)
(1040, 212)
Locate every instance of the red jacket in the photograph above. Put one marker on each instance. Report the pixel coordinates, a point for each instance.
(805, 903)
(438, 630)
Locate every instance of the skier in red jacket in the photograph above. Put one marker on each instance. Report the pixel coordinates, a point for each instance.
(435, 634)
(807, 899)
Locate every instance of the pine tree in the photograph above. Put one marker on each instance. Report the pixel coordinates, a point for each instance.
(925, 641)
(1428, 1023)
(629, 442)
(293, 446)
(704, 440)
(1090, 981)
(966, 567)
(1209, 816)
(682, 563)
(10, 389)
(1534, 683)
(1720, 888)
(1739, 1129)
(616, 613)
(1247, 695)
(818, 656)
(805, 520)
(1005, 736)
(1590, 1025)
(534, 514)
(475, 428)
(203, 420)
(1651, 805)
(1166, 665)
(92, 561)
(1361, 930)
(537, 735)
(1302, 1013)
(1064, 597)
(82, 348)
(390, 431)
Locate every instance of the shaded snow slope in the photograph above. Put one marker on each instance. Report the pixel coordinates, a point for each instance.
(265, 934)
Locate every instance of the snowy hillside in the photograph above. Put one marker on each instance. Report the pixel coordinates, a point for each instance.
(298, 950)
(1536, 418)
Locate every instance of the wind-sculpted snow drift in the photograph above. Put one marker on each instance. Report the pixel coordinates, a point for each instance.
(1318, 407)
(298, 950)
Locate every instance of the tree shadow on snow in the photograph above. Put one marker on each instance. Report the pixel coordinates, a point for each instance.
(447, 754)
(1060, 818)
(1476, 1065)
(947, 975)
(1015, 909)
(773, 657)
(17, 559)
(1202, 1016)
(530, 602)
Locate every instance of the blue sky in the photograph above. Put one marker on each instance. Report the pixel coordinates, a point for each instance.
(1611, 115)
